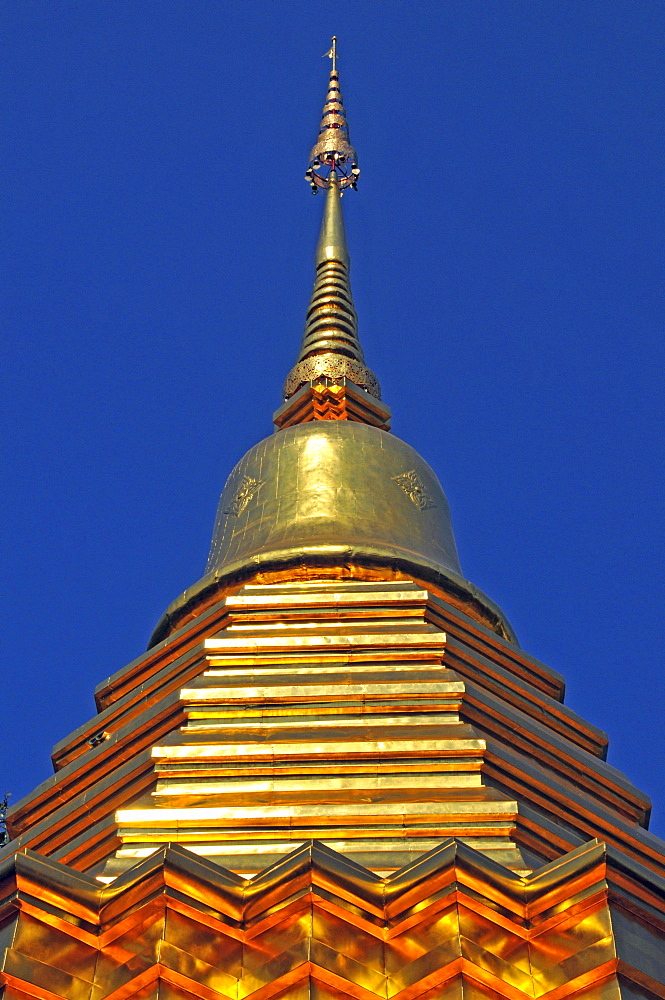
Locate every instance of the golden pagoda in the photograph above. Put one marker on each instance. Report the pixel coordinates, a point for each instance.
(334, 773)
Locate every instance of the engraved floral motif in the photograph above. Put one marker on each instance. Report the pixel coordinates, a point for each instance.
(247, 490)
(414, 488)
(334, 366)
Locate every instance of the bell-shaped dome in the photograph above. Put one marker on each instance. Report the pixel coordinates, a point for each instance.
(333, 488)
(332, 494)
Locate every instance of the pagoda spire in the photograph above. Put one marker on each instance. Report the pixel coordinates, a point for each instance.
(330, 352)
(332, 152)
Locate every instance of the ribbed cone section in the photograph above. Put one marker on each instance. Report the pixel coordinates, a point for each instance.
(330, 345)
(331, 323)
(333, 114)
(334, 130)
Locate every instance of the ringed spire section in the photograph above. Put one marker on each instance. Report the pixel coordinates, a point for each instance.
(332, 152)
(330, 349)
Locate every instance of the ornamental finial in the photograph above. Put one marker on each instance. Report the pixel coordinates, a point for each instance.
(330, 380)
(332, 53)
(332, 153)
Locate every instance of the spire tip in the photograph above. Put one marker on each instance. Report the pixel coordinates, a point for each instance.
(330, 349)
(333, 154)
(332, 54)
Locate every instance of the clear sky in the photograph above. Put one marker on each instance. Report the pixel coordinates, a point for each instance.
(507, 266)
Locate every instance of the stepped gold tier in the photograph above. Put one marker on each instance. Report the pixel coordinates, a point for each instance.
(334, 774)
(375, 716)
(367, 793)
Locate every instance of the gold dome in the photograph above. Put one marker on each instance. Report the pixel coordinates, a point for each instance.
(333, 487)
(331, 493)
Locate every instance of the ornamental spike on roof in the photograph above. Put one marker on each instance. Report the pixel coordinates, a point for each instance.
(330, 347)
(332, 154)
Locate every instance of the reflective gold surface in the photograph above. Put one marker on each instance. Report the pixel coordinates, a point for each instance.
(328, 491)
(326, 708)
(332, 151)
(326, 398)
(341, 724)
(453, 924)
(330, 345)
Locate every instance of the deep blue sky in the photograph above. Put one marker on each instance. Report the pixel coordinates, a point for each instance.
(507, 266)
